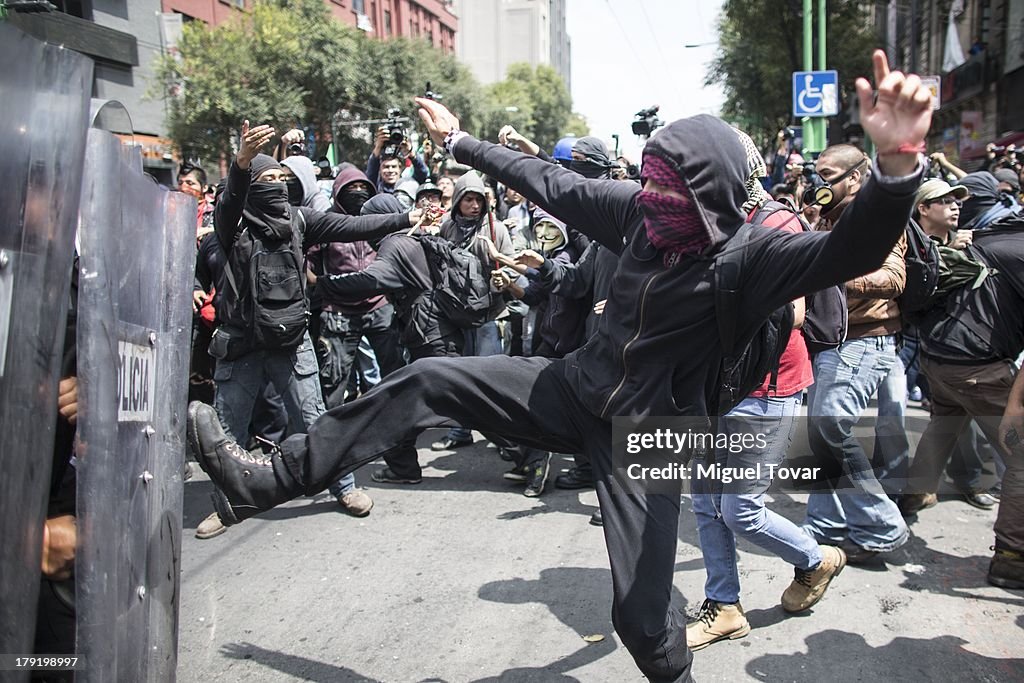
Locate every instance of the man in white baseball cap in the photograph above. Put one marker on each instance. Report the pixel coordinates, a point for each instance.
(938, 207)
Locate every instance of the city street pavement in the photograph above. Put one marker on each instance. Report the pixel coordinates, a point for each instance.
(462, 578)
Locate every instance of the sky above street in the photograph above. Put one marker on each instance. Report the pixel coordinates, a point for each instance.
(629, 54)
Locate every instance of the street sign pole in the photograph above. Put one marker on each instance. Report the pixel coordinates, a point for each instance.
(808, 123)
(822, 136)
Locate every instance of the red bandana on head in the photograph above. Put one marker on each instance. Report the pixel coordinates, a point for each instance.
(673, 225)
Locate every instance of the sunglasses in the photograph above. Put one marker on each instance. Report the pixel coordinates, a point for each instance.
(947, 201)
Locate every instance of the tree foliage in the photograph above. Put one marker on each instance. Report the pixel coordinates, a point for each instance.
(535, 101)
(760, 45)
(289, 64)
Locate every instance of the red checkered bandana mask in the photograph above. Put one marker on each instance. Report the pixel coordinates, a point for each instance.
(673, 224)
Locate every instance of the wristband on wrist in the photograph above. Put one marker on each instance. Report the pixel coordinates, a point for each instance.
(905, 148)
(452, 137)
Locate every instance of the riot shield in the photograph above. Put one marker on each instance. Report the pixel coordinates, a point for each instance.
(43, 121)
(134, 327)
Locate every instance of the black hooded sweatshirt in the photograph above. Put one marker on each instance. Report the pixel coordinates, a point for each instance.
(238, 240)
(657, 350)
(401, 271)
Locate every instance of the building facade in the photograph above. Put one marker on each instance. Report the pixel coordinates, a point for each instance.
(495, 34)
(982, 96)
(125, 38)
(431, 20)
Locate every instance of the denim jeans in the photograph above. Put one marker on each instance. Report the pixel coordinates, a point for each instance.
(723, 514)
(856, 507)
(293, 372)
(483, 341)
(891, 458)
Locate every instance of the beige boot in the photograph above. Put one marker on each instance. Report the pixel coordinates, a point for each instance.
(356, 503)
(809, 585)
(716, 621)
(210, 527)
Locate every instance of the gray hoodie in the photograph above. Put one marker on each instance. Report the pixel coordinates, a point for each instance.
(460, 232)
(305, 171)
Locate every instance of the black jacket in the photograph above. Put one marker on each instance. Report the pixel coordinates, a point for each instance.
(237, 240)
(657, 351)
(401, 271)
(986, 324)
(588, 279)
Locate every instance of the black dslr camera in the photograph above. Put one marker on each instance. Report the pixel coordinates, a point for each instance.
(647, 121)
(395, 124)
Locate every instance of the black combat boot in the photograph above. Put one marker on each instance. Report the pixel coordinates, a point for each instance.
(247, 482)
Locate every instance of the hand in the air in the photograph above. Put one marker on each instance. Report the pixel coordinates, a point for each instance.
(438, 120)
(252, 140)
(900, 115)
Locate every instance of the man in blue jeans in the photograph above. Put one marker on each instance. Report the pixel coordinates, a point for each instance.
(725, 511)
(253, 215)
(855, 511)
(654, 353)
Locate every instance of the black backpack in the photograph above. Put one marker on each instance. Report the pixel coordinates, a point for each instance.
(274, 303)
(922, 261)
(826, 315)
(747, 361)
(461, 292)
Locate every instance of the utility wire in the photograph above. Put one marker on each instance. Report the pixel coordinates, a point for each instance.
(650, 27)
(636, 55)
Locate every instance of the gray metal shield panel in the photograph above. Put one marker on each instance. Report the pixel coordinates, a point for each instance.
(138, 248)
(44, 108)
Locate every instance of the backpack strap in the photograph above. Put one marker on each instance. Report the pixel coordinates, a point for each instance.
(728, 267)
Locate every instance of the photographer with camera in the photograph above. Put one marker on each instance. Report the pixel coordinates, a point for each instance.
(391, 152)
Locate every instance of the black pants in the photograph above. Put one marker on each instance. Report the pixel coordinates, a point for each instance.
(528, 401)
(339, 338)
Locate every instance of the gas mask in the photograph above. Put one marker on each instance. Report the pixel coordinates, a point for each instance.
(822, 192)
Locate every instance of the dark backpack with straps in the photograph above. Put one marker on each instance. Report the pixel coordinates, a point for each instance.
(461, 293)
(826, 315)
(274, 302)
(745, 361)
(922, 261)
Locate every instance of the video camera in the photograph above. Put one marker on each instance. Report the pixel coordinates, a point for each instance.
(647, 121)
(395, 124)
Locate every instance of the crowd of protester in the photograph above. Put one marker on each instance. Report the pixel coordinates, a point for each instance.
(370, 238)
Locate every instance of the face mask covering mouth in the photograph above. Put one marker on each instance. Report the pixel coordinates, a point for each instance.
(267, 211)
(588, 169)
(352, 200)
(295, 191)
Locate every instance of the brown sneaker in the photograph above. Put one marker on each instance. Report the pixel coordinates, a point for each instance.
(356, 503)
(809, 585)
(210, 527)
(912, 503)
(716, 621)
(1006, 569)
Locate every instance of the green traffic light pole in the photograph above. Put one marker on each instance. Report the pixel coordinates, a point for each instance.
(814, 127)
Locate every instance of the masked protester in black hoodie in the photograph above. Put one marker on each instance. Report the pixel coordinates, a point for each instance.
(657, 350)
(253, 214)
(346, 320)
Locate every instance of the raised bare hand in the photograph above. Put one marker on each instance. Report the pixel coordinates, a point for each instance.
(900, 115)
(438, 120)
(252, 140)
(293, 136)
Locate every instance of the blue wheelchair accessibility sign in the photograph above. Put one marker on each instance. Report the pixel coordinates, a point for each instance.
(815, 93)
